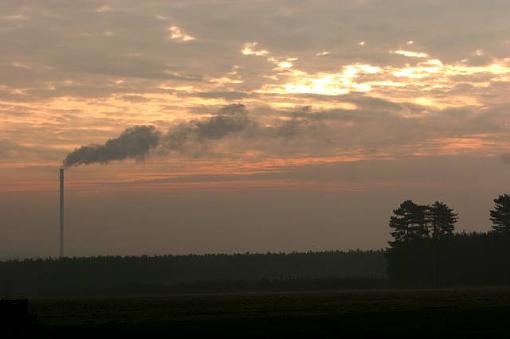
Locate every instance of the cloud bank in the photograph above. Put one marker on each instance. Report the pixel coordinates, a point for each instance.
(381, 78)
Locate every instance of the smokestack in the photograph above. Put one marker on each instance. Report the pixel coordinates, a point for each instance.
(61, 214)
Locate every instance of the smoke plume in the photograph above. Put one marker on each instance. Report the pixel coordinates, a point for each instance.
(138, 141)
(134, 142)
(190, 135)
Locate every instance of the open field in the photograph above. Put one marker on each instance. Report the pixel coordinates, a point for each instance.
(466, 313)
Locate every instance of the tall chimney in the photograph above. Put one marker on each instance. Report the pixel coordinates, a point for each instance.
(61, 213)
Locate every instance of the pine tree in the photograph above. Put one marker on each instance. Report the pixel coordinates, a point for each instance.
(441, 219)
(408, 222)
(500, 214)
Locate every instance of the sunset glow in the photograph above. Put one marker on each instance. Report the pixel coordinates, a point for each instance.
(326, 96)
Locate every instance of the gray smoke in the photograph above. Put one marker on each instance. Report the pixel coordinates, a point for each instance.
(138, 141)
(229, 120)
(134, 142)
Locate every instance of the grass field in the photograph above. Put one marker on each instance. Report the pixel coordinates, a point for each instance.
(466, 313)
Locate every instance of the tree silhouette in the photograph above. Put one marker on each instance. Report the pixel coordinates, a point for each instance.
(116, 276)
(500, 215)
(439, 257)
(408, 222)
(441, 219)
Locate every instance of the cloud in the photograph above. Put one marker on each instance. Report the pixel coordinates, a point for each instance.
(135, 76)
(250, 48)
(230, 95)
(177, 34)
(338, 83)
(411, 54)
(11, 151)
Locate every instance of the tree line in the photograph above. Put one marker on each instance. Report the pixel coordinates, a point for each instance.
(113, 275)
(426, 250)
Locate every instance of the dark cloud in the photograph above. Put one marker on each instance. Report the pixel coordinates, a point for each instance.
(135, 98)
(223, 95)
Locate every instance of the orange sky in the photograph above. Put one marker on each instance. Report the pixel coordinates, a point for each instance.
(321, 83)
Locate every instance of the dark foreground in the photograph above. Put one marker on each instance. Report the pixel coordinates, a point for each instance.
(467, 313)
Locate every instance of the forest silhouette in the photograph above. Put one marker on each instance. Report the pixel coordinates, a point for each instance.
(425, 251)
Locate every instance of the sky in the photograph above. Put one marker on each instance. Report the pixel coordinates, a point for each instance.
(204, 126)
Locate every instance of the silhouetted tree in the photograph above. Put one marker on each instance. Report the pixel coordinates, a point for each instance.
(444, 258)
(500, 214)
(441, 219)
(408, 222)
